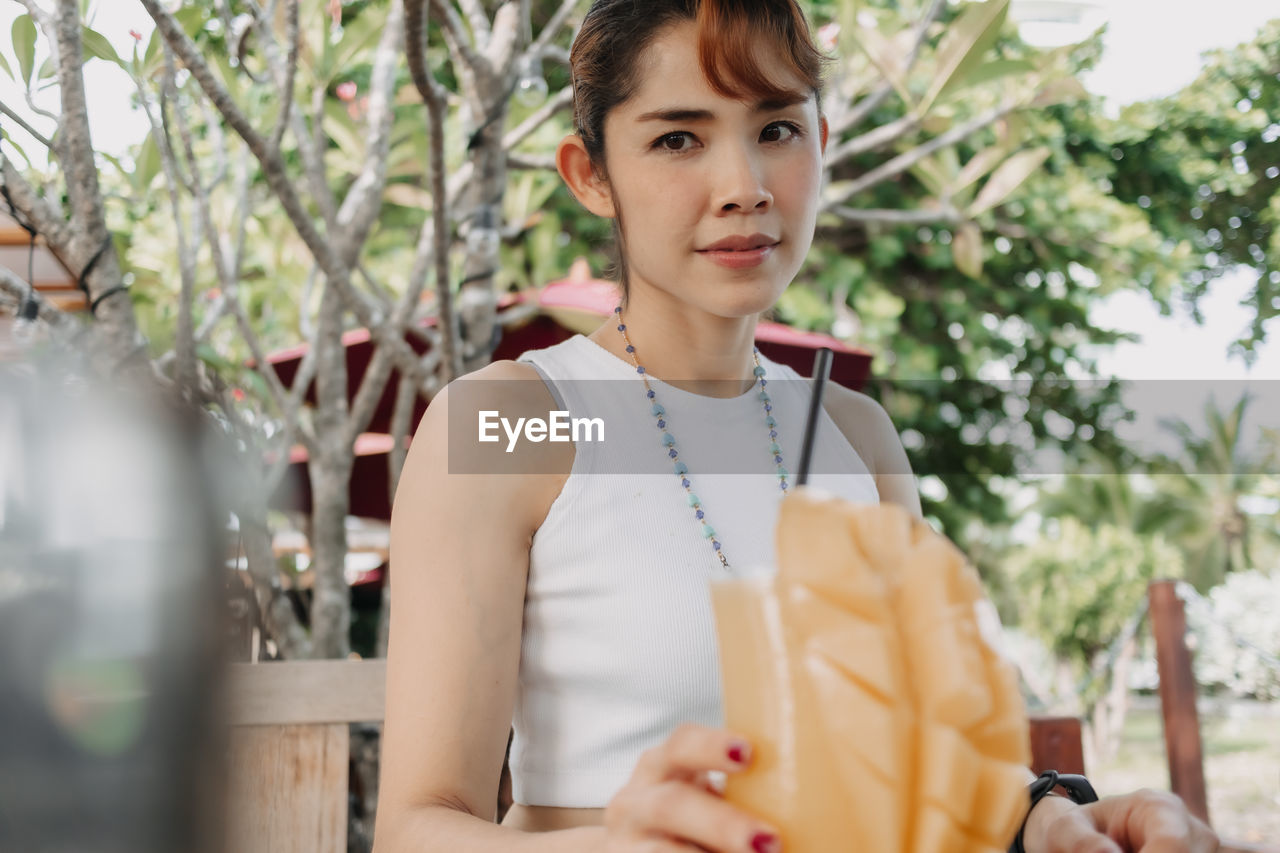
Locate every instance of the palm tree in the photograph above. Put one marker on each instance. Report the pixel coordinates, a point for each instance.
(1203, 496)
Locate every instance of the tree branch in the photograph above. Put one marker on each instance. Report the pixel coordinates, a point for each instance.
(456, 34)
(905, 161)
(557, 103)
(37, 211)
(290, 73)
(372, 384)
(311, 146)
(500, 51)
(923, 216)
(552, 27)
(272, 165)
(40, 16)
(868, 104)
(872, 139)
(61, 322)
(184, 338)
(531, 161)
(556, 54)
(433, 97)
(407, 392)
(18, 120)
(73, 129)
(477, 20)
(364, 199)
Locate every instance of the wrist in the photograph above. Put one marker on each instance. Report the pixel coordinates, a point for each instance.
(1035, 834)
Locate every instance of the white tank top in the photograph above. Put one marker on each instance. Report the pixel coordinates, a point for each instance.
(619, 643)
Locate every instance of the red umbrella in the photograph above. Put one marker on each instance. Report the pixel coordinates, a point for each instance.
(574, 305)
(370, 479)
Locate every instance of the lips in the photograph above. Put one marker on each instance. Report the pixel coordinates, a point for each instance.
(741, 244)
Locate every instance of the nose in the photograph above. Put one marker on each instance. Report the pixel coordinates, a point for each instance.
(741, 186)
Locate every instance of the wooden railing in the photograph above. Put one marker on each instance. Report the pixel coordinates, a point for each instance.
(290, 750)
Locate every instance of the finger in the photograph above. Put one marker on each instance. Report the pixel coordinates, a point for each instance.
(692, 749)
(663, 845)
(1075, 832)
(691, 815)
(712, 781)
(1146, 821)
(1203, 838)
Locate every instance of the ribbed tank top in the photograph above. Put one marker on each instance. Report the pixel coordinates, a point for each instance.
(619, 643)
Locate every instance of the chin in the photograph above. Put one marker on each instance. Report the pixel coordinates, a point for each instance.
(746, 299)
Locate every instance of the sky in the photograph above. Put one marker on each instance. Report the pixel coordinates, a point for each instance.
(1152, 48)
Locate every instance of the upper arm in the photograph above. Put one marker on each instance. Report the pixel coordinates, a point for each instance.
(872, 434)
(459, 561)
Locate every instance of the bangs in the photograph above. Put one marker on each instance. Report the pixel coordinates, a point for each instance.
(731, 34)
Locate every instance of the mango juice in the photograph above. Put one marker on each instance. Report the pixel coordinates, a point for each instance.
(790, 783)
(883, 720)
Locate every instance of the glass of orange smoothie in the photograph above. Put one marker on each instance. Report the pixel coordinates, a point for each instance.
(881, 718)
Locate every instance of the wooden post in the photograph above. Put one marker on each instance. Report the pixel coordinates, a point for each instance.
(1178, 697)
(1056, 744)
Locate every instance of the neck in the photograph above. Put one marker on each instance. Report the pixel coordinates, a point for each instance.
(684, 346)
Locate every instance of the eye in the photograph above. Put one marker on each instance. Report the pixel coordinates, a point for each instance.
(675, 142)
(780, 131)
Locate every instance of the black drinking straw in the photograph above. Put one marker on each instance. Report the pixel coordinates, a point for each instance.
(821, 370)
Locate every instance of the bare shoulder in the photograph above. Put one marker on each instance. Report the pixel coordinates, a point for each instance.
(870, 431)
(863, 421)
(455, 447)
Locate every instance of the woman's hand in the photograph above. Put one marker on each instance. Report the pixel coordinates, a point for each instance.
(1147, 821)
(670, 803)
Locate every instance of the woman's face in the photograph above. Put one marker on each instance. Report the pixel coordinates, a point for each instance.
(717, 197)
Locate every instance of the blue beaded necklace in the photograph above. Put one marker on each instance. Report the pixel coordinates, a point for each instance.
(669, 441)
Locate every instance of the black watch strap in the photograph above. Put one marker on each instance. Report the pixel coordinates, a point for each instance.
(1077, 788)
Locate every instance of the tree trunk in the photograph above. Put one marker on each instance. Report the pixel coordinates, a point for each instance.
(331, 597)
(477, 302)
(329, 468)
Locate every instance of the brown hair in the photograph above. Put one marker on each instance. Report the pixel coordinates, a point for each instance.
(615, 34)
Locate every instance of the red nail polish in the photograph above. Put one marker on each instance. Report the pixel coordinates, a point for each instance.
(738, 752)
(764, 842)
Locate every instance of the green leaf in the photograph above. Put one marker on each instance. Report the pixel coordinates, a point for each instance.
(4, 65)
(357, 37)
(933, 175)
(47, 70)
(8, 137)
(964, 45)
(96, 44)
(192, 18)
(210, 356)
(114, 161)
(979, 164)
(343, 131)
(24, 45)
(887, 58)
(987, 72)
(148, 163)
(255, 380)
(1060, 91)
(966, 248)
(153, 50)
(1008, 178)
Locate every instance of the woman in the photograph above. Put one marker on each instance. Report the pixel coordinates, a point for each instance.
(572, 598)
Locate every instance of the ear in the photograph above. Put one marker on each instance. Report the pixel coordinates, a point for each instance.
(587, 186)
(823, 130)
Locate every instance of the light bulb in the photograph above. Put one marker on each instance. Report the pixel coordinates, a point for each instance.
(531, 88)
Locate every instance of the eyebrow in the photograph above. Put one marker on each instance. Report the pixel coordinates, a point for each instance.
(687, 114)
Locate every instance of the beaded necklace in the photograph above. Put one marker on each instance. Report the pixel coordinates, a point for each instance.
(669, 441)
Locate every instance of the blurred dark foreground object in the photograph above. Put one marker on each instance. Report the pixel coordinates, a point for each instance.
(110, 550)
